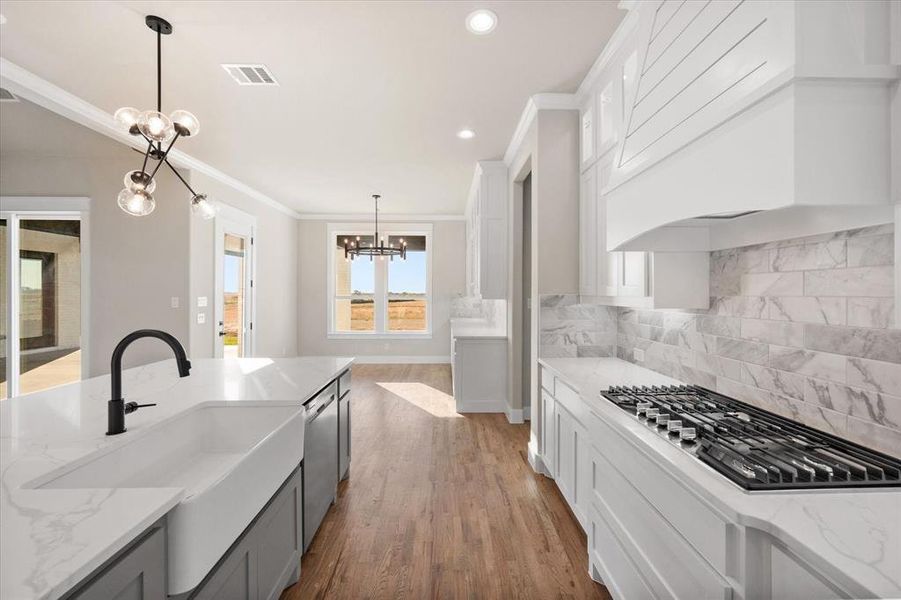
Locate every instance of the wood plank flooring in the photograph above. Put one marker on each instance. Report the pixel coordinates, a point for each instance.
(440, 505)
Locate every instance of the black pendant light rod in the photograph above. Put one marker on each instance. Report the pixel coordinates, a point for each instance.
(375, 240)
(146, 156)
(165, 154)
(159, 77)
(177, 174)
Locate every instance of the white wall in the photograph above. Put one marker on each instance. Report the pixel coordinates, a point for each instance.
(448, 281)
(275, 280)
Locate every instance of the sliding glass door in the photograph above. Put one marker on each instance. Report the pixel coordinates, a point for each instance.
(40, 280)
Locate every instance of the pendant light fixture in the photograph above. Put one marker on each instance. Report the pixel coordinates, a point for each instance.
(157, 130)
(355, 248)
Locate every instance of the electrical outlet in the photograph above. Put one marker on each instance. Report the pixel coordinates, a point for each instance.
(201, 318)
(201, 301)
(638, 354)
(174, 302)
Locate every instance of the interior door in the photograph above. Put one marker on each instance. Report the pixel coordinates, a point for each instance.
(234, 303)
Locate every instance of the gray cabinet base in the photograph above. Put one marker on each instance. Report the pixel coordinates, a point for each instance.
(138, 572)
(266, 558)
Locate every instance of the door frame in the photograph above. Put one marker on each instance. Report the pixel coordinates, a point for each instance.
(245, 226)
(56, 208)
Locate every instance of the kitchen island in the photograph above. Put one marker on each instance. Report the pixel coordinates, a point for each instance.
(54, 537)
(662, 523)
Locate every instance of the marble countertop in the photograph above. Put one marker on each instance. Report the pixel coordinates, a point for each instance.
(854, 535)
(474, 328)
(52, 538)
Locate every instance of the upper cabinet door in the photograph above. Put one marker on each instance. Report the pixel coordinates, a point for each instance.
(587, 134)
(589, 250)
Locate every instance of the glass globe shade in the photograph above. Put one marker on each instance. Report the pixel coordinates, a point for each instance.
(156, 126)
(127, 116)
(136, 202)
(185, 123)
(139, 180)
(203, 207)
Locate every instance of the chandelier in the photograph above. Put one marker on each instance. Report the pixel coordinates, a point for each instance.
(157, 130)
(355, 248)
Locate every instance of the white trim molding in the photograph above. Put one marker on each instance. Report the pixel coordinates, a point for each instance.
(387, 218)
(514, 415)
(26, 84)
(535, 103)
(487, 406)
(395, 360)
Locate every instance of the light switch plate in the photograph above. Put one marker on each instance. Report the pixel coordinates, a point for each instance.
(638, 354)
(174, 302)
(201, 318)
(201, 301)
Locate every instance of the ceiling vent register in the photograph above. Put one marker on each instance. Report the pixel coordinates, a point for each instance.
(250, 74)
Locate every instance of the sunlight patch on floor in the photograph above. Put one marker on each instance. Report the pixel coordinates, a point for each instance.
(424, 397)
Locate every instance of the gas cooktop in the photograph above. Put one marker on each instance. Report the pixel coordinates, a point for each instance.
(756, 449)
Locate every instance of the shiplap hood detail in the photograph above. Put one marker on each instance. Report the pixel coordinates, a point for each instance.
(733, 106)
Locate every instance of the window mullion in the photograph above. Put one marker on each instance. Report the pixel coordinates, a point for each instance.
(381, 295)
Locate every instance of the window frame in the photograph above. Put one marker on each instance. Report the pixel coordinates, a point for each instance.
(380, 293)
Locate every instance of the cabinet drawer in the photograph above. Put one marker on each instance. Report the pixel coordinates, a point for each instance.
(344, 384)
(607, 557)
(703, 528)
(547, 380)
(570, 398)
(670, 564)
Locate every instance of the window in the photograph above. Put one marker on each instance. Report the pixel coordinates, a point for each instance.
(380, 296)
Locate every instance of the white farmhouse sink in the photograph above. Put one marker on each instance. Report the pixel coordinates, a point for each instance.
(229, 457)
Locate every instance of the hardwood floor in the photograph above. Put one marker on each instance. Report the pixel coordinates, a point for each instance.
(440, 505)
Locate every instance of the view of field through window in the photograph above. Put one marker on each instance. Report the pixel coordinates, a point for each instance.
(404, 284)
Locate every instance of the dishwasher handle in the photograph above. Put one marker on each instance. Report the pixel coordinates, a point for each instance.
(314, 409)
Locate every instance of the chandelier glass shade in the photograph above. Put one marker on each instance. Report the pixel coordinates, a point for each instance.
(356, 247)
(160, 132)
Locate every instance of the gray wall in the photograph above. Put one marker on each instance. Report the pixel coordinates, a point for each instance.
(803, 327)
(448, 283)
(550, 149)
(136, 264)
(275, 280)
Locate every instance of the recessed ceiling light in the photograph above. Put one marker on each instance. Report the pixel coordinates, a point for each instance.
(466, 134)
(481, 21)
(2, 19)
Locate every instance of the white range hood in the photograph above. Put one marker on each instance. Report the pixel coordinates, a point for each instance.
(734, 107)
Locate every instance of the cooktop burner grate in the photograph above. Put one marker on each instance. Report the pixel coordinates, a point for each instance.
(755, 448)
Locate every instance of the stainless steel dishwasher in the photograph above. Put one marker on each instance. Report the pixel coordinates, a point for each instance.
(320, 460)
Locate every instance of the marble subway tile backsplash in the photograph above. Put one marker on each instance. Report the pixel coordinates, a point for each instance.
(802, 327)
(568, 328)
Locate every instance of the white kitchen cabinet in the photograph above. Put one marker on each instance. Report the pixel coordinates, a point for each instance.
(587, 133)
(486, 231)
(548, 427)
(564, 434)
(478, 371)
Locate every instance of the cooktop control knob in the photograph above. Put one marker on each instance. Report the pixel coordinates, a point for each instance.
(662, 420)
(652, 413)
(674, 426)
(688, 434)
(642, 407)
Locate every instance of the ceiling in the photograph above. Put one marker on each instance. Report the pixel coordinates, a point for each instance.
(371, 94)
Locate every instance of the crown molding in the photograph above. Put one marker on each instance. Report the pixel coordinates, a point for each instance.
(33, 88)
(535, 103)
(611, 48)
(367, 217)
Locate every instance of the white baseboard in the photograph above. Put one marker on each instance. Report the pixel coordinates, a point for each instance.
(537, 462)
(514, 415)
(527, 413)
(388, 359)
(475, 406)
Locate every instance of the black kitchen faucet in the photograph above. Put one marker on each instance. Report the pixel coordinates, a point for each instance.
(117, 408)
